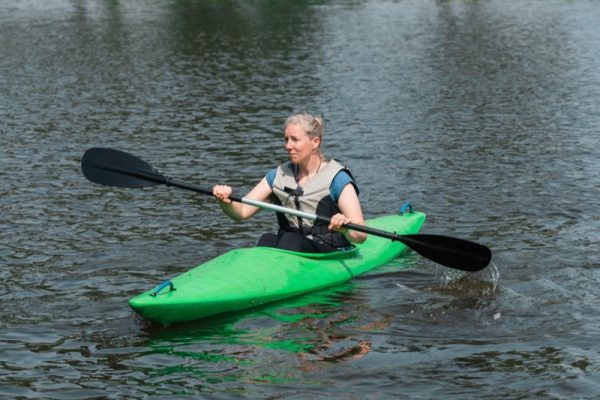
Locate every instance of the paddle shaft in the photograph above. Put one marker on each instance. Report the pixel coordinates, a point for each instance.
(291, 211)
(257, 203)
(285, 210)
(407, 240)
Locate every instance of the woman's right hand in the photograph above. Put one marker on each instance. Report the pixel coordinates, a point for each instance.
(222, 193)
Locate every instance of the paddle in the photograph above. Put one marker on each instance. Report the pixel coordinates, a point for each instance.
(116, 168)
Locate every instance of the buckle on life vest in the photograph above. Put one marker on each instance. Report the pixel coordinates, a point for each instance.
(294, 192)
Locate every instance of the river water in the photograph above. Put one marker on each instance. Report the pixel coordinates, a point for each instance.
(483, 114)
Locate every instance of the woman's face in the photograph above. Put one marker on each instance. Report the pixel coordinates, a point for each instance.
(299, 145)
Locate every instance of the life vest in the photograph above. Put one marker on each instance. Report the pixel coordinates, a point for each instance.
(313, 198)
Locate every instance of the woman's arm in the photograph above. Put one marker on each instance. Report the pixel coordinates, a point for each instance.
(240, 211)
(351, 212)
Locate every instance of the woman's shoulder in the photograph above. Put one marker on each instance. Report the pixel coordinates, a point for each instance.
(343, 170)
(272, 173)
(341, 179)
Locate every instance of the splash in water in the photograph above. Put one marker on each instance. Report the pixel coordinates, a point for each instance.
(481, 283)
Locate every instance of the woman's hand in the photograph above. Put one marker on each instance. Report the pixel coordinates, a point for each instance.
(222, 193)
(337, 222)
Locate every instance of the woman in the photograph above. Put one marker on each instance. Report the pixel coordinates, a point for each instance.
(307, 182)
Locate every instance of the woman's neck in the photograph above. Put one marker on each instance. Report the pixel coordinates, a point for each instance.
(310, 168)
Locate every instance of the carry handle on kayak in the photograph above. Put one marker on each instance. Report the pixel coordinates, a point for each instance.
(116, 168)
(160, 287)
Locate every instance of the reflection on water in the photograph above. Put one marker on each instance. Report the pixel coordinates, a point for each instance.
(481, 114)
(275, 343)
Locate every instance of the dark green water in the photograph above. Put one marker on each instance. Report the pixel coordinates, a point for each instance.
(483, 114)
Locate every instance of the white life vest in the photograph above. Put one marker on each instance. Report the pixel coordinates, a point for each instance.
(313, 198)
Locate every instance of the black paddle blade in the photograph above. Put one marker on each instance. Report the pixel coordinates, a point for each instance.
(451, 252)
(116, 168)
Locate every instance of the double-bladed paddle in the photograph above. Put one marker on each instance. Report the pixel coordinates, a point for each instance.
(116, 168)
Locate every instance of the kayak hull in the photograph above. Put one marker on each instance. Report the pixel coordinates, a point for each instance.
(248, 277)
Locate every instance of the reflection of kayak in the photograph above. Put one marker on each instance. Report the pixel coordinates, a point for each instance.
(248, 277)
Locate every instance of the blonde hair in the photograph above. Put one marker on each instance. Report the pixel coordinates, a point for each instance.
(312, 125)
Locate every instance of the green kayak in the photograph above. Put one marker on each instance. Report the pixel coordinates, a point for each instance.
(249, 277)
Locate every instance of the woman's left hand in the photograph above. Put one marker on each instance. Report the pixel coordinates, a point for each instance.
(337, 222)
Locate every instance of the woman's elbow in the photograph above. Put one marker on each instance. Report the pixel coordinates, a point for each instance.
(358, 237)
